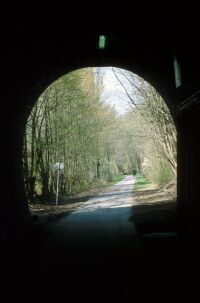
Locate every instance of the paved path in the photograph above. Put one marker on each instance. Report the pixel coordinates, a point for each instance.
(104, 216)
(98, 227)
(97, 250)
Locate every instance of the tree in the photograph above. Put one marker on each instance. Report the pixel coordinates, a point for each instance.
(68, 124)
(153, 115)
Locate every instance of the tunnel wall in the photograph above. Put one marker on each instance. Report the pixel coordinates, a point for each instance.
(28, 70)
(189, 170)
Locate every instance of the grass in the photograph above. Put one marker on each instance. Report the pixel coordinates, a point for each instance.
(115, 179)
(141, 182)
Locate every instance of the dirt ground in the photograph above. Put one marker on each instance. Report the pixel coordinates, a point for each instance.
(153, 210)
(47, 212)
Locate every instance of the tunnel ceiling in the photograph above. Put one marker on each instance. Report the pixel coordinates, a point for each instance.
(144, 44)
(37, 50)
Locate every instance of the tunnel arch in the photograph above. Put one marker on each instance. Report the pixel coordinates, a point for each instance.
(49, 80)
(32, 79)
(33, 69)
(49, 77)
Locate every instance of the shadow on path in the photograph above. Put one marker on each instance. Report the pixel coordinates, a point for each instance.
(97, 255)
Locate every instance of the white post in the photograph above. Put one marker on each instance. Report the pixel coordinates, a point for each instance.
(58, 175)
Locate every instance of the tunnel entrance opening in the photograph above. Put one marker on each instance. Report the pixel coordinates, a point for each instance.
(35, 65)
(103, 124)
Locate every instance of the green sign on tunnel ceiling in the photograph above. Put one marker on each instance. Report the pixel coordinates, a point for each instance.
(102, 42)
(177, 72)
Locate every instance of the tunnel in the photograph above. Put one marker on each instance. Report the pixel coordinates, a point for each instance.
(32, 63)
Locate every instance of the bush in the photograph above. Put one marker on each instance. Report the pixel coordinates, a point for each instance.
(160, 173)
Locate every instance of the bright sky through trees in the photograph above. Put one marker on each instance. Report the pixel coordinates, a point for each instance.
(114, 92)
(99, 122)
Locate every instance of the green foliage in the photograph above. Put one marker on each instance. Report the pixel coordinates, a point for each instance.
(154, 130)
(71, 123)
(163, 174)
(160, 173)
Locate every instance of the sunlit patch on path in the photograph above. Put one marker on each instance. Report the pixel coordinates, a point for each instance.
(117, 196)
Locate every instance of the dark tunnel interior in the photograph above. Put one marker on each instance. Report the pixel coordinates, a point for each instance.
(31, 60)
